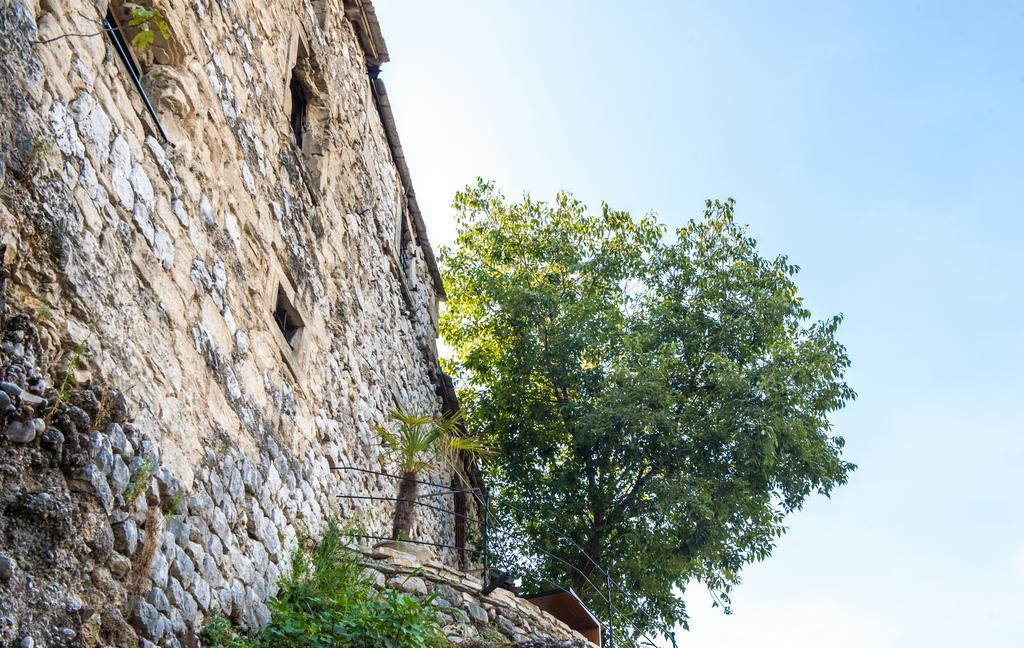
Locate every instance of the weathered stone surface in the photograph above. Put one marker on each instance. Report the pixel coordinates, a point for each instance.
(119, 476)
(160, 263)
(91, 480)
(126, 536)
(158, 572)
(507, 627)
(20, 431)
(158, 600)
(201, 592)
(119, 565)
(477, 613)
(118, 441)
(7, 568)
(211, 573)
(101, 541)
(146, 619)
(411, 584)
(182, 568)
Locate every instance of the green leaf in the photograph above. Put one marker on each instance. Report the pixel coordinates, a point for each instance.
(142, 40)
(141, 15)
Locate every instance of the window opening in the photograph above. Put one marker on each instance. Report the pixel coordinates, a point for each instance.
(403, 242)
(286, 317)
(300, 106)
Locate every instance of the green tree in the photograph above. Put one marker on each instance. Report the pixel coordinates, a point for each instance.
(658, 406)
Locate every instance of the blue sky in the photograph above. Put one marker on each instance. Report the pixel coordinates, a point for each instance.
(881, 146)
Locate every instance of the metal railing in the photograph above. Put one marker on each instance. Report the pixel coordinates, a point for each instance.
(491, 581)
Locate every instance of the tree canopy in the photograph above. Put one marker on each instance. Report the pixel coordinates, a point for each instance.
(659, 404)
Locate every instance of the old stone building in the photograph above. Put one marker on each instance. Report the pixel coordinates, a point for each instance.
(217, 276)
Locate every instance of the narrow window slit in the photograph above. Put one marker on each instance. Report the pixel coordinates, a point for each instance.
(287, 318)
(300, 105)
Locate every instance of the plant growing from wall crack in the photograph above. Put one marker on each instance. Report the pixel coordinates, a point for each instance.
(68, 380)
(146, 19)
(140, 480)
(42, 314)
(176, 503)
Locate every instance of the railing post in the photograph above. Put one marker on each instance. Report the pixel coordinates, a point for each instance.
(611, 609)
(487, 528)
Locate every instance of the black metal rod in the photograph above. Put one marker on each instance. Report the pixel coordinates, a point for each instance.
(440, 509)
(419, 542)
(417, 481)
(562, 536)
(379, 498)
(135, 77)
(487, 529)
(486, 521)
(486, 553)
(611, 610)
(600, 569)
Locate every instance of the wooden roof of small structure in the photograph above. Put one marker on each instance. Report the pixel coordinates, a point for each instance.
(566, 606)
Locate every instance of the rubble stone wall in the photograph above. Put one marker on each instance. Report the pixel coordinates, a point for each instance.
(494, 619)
(155, 266)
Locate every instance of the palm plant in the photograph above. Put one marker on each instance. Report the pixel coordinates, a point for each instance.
(418, 444)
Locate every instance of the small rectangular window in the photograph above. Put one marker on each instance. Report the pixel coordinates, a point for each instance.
(289, 325)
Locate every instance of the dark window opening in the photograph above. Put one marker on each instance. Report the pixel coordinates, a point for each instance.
(286, 317)
(117, 36)
(406, 251)
(300, 106)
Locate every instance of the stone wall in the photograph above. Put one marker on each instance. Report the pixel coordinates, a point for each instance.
(154, 267)
(498, 618)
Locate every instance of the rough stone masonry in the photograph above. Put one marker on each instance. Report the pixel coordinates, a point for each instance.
(209, 309)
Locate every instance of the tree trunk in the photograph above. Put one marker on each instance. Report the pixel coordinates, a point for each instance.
(405, 507)
(593, 548)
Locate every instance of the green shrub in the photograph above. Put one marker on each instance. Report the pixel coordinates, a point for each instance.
(327, 601)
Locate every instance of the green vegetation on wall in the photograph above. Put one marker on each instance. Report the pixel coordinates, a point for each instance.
(326, 600)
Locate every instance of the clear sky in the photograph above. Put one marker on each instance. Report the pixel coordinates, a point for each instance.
(881, 146)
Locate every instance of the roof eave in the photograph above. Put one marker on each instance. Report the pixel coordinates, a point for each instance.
(361, 13)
